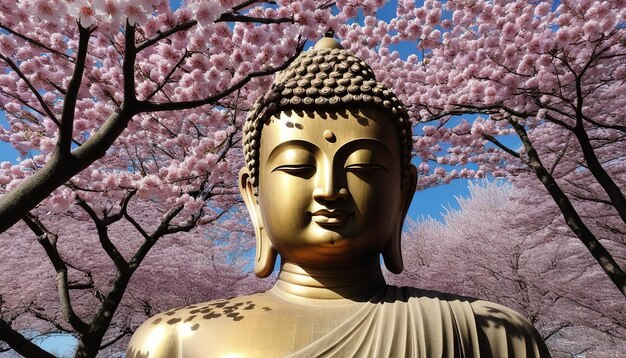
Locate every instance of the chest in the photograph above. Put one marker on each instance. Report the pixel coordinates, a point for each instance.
(269, 331)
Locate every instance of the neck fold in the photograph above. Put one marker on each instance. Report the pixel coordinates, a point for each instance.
(355, 283)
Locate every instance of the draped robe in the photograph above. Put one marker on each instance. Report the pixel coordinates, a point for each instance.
(407, 322)
(399, 322)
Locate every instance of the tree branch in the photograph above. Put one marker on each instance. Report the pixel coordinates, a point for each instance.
(162, 35)
(125, 332)
(103, 237)
(560, 155)
(231, 17)
(40, 99)
(69, 104)
(48, 242)
(19, 343)
(501, 146)
(571, 216)
(171, 106)
(168, 76)
(37, 43)
(128, 67)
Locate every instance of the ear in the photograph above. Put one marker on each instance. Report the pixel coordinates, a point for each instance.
(392, 252)
(265, 252)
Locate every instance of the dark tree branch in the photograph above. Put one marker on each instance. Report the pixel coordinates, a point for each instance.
(60, 168)
(40, 99)
(137, 226)
(560, 155)
(108, 220)
(69, 105)
(571, 216)
(19, 343)
(168, 76)
(48, 242)
(595, 167)
(24, 103)
(171, 106)
(501, 146)
(105, 241)
(231, 17)
(128, 67)
(37, 43)
(165, 34)
(124, 333)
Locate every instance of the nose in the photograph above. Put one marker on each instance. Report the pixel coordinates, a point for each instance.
(329, 186)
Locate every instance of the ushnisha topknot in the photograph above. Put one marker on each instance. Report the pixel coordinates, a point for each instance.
(324, 78)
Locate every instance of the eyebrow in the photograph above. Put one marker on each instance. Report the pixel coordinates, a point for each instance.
(290, 144)
(360, 143)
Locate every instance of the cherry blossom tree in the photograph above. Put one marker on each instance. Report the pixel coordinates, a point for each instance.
(180, 269)
(551, 74)
(501, 247)
(127, 115)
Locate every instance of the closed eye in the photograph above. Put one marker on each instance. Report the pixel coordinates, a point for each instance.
(295, 168)
(365, 167)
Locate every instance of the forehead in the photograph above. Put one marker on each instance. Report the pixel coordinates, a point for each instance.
(329, 131)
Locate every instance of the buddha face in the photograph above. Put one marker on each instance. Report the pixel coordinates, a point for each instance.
(329, 185)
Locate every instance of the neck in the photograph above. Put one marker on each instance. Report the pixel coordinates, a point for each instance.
(357, 282)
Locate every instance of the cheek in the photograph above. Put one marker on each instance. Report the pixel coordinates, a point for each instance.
(283, 205)
(373, 194)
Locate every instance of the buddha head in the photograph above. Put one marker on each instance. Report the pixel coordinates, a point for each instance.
(328, 177)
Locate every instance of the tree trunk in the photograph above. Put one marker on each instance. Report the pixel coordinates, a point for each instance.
(604, 179)
(89, 344)
(573, 220)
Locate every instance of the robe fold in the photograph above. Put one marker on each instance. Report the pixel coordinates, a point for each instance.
(407, 322)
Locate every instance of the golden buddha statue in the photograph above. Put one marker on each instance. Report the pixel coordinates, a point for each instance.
(328, 184)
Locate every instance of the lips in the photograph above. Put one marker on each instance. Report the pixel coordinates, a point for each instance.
(330, 217)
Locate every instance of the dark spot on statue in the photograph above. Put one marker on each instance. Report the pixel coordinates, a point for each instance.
(221, 304)
(238, 304)
(235, 316)
(169, 313)
(174, 320)
(248, 302)
(299, 126)
(266, 309)
(195, 326)
(227, 311)
(190, 318)
(136, 354)
(249, 307)
(194, 311)
(204, 310)
(211, 315)
(289, 124)
(156, 321)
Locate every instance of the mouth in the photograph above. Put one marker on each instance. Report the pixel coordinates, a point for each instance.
(327, 217)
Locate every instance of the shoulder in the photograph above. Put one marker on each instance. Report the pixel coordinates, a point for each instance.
(154, 338)
(496, 330)
(162, 335)
(505, 332)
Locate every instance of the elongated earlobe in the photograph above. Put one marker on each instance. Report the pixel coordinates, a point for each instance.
(392, 252)
(265, 252)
